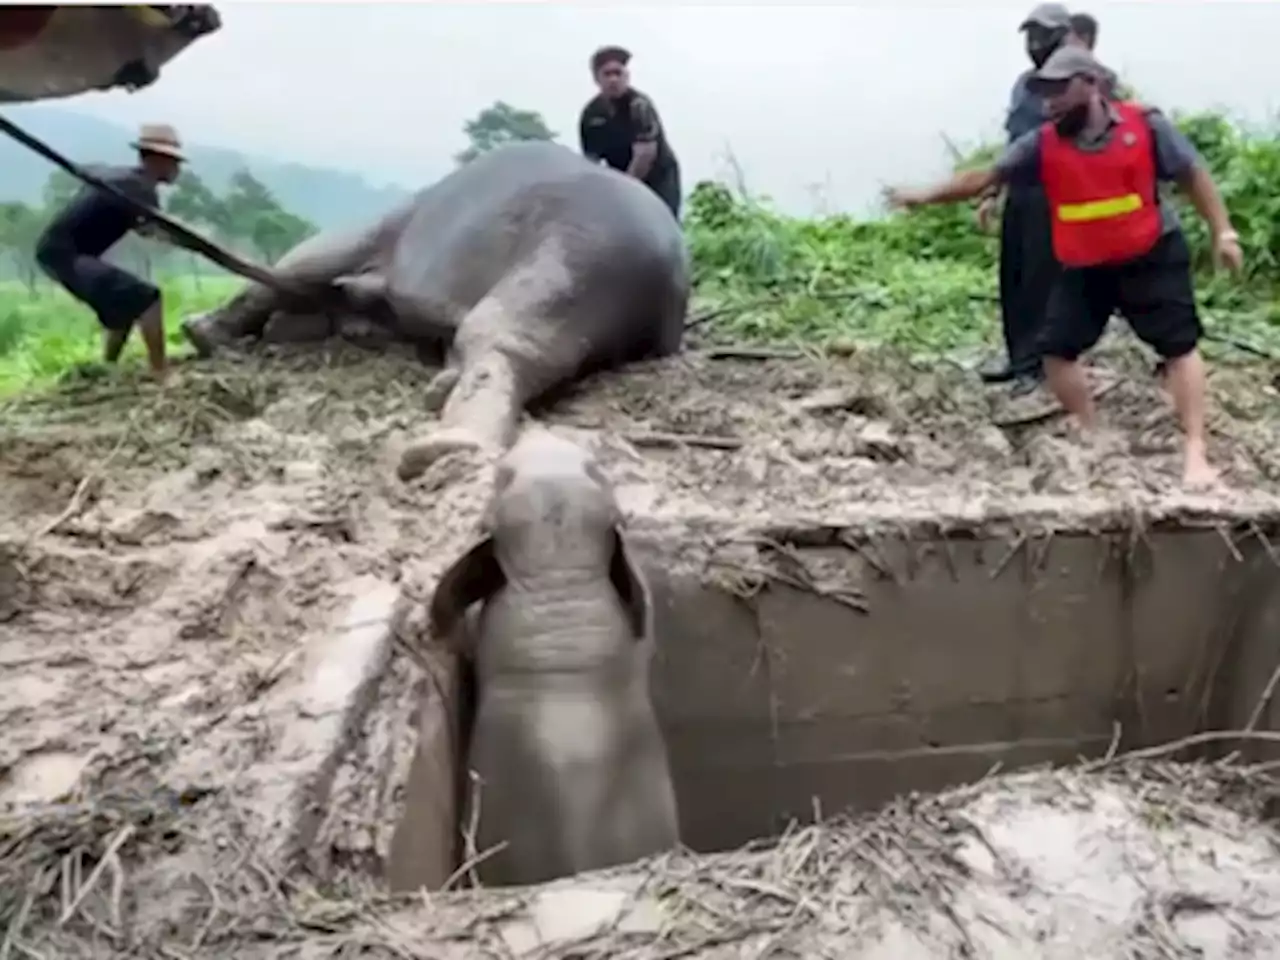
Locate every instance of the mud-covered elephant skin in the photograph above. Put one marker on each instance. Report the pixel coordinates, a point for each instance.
(530, 264)
(62, 50)
(571, 766)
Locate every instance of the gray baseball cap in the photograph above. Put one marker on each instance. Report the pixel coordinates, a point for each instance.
(1066, 62)
(1050, 15)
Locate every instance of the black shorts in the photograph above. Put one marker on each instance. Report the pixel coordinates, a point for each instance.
(1154, 293)
(116, 296)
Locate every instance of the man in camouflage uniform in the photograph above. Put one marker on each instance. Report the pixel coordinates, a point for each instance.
(620, 126)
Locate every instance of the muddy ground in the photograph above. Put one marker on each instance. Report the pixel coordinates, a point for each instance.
(164, 552)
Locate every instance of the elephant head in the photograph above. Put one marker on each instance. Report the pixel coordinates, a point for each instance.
(552, 509)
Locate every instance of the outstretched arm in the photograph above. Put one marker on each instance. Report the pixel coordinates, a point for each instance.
(962, 186)
(1020, 163)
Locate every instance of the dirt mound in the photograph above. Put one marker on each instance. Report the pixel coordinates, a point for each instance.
(1122, 861)
(167, 556)
(168, 560)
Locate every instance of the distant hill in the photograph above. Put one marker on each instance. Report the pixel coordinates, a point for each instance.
(326, 197)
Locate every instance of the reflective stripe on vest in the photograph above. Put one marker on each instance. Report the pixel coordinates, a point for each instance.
(1099, 209)
(1105, 202)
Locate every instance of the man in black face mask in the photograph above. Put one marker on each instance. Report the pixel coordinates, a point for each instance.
(1027, 267)
(1119, 243)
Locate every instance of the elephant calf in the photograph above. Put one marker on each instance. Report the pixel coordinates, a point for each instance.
(572, 766)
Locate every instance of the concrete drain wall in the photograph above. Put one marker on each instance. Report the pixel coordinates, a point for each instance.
(972, 653)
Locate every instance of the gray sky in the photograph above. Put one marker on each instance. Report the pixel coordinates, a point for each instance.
(815, 102)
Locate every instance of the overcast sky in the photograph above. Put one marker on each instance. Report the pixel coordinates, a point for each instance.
(818, 103)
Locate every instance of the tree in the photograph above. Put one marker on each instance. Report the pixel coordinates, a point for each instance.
(498, 124)
(276, 232)
(253, 215)
(246, 197)
(192, 200)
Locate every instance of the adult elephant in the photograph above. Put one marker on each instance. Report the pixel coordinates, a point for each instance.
(530, 265)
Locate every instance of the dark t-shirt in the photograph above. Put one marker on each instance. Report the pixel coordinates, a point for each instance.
(608, 129)
(94, 220)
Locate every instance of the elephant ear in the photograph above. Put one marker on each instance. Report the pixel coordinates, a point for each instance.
(632, 587)
(475, 576)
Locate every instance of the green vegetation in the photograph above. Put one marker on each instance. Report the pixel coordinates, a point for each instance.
(925, 281)
(328, 198)
(498, 124)
(247, 217)
(45, 337)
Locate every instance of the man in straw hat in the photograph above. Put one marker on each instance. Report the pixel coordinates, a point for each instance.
(71, 247)
(1118, 241)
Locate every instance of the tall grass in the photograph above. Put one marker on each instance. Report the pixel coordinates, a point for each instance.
(44, 335)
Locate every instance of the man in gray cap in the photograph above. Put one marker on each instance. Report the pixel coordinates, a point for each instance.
(1119, 243)
(1027, 267)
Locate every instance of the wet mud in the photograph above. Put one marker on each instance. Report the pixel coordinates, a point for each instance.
(170, 560)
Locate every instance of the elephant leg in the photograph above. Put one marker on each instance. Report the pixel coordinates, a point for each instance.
(245, 315)
(297, 328)
(527, 336)
(481, 413)
(483, 389)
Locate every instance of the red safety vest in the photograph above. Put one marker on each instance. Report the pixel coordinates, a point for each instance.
(1105, 203)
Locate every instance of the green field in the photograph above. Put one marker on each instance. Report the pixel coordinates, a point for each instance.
(45, 334)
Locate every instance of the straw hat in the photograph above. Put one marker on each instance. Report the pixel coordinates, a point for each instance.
(159, 138)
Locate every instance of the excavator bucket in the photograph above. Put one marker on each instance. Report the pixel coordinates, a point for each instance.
(59, 51)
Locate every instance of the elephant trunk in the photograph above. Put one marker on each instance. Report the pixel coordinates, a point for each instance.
(566, 742)
(562, 633)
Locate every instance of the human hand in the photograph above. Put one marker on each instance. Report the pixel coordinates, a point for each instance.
(900, 198)
(1226, 251)
(986, 213)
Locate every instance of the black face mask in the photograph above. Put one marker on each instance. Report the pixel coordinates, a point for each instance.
(1039, 55)
(1072, 122)
(1041, 42)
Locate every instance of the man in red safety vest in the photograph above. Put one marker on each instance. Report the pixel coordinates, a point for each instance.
(1120, 245)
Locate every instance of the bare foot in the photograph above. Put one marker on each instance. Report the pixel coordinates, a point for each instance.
(421, 454)
(1198, 475)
